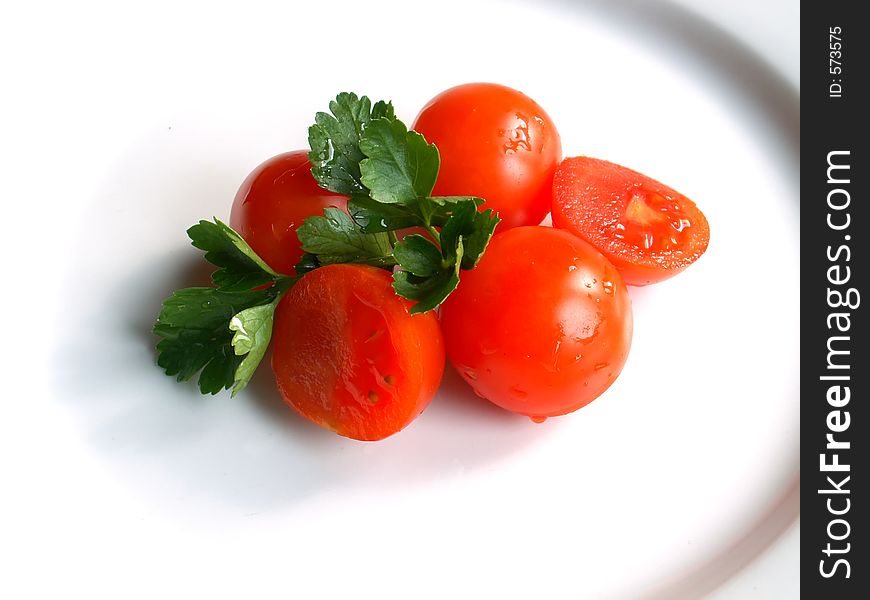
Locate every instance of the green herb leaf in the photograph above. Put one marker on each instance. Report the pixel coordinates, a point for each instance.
(253, 332)
(307, 263)
(460, 223)
(436, 210)
(401, 166)
(477, 239)
(428, 292)
(418, 256)
(472, 227)
(335, 238)
(334, 140)
(374, 217)
(383, 110)
(240, 267)
(196, 338)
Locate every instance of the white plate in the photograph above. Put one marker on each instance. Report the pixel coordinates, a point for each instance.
(132, 123)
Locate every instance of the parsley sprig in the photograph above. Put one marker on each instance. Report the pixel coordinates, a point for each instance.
(364, 151)
(360, 150)
(221, 332)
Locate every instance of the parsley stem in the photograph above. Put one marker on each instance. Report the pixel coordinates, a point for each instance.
(378, 261)
(434, 233)
(284, 283)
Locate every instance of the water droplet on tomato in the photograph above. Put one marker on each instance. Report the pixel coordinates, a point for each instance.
(608, 287)
(518, 393)
(600, 366)
(471, 374)
(572, 268)
(553, 365)
(538, 419)
(517, 138)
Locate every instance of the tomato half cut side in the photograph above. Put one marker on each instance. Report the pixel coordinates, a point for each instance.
(649, 231)
(272, 203)
(349, 356)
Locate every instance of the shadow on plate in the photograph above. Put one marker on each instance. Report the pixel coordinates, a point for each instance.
(187, 454)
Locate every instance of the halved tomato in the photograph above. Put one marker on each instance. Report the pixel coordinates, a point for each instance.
(349, 356)
(646, 229)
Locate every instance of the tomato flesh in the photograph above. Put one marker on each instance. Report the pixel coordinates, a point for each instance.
(349, 356)
(495, 143)
(542, 326)
(646, 229)
(273, 202)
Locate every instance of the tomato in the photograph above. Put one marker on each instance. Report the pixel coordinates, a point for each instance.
(542, 326)
(495, 143)
(648, 231)
(349, 356)
(273, 202)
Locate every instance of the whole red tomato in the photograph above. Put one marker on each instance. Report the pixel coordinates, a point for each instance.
(495, 143)
(542, 326)
(273, 202)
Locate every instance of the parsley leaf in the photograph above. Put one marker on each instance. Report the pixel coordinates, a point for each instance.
(476, 238)
(197, 325)
(430, 291)
(389, 173)
(436, 210)
(473, 227)
(334, 140)
(193, 325)
(373, 216)
(240, 267)
(253, 332)
(418, 256)
(459, 224)
(335, 238)
(307, 263)
(401, 166)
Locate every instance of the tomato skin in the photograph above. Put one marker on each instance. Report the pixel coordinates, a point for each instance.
(649, 231)
(495, 143)
(349, 356)
(542, 326)
(273, 202)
